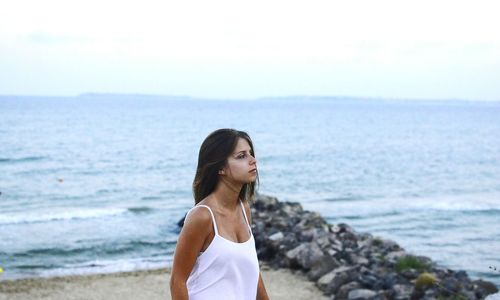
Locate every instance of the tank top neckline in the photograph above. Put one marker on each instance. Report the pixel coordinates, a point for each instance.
(216, 231)
(233, 242)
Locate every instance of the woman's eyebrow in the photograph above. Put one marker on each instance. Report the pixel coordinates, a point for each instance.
(242, 151)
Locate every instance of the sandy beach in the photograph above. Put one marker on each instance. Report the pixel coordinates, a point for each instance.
(152, 284)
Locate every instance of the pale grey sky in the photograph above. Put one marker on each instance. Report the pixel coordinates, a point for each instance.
(247, 49)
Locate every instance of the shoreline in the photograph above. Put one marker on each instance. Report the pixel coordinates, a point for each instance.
(302, 256)
(142, 284)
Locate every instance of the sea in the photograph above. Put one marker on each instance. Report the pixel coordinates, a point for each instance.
(96, 183)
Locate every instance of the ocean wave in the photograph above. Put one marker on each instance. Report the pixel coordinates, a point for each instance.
(478, 203)
(38, 266)
(21, 159)
(101, 249)
(75, 214)
(140, 209)
(146, 198)
(109, 266)
(493, 297)
(89, 267)
(458, 206)
(134, 246)
(346, 198)
(61, 252)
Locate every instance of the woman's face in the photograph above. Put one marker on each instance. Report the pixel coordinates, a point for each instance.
(241, 165)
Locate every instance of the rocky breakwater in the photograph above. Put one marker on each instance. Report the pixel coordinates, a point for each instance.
(345, 264)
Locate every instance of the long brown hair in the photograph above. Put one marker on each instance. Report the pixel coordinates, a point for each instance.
(212, 157)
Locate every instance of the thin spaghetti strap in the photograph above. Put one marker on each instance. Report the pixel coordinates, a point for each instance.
(245, 214)
(211, 213)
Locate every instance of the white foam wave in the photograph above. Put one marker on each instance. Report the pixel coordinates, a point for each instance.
(476, 202)
(400, 206)
(109, 266)
(80, 213)
(493, 297)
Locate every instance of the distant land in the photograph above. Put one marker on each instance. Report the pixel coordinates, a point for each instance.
(337, 98)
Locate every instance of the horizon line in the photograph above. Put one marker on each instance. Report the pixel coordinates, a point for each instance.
(282, 97)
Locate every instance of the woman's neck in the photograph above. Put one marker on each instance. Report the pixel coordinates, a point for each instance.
(226, 194)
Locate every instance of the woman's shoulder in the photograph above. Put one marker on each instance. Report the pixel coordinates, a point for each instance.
(197, 225)
(199, 213)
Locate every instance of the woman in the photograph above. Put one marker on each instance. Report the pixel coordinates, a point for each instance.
(215, 256)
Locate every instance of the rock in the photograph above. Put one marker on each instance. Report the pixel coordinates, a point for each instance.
(265, 203)
(365, 236)
(442, 272)
(394, 256)
(381, 295)
(424, 260)
(321, 267)
(305, 255)
(324, 280)
(288, 243)
(180, 223)
(335, 228)
(335, 244)
(311, 234)
(430, 294)
(361, 294)
(389, 280)
(468, 294)
(293, 254)
(344, 290)
(332, 252)
(485, 288)
(451, 285)
(290, 208)
(280, 224)
(258, 226)
(277, 236)
(461, 275)
(322, 240)
(402, 291)
(358, 260)
(410, 274)
(347, 264)
(349, 239)
(331, 281)
(346, 228)
(369, 281)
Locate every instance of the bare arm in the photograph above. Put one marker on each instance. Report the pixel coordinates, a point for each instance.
(261, 289)
(196, 229)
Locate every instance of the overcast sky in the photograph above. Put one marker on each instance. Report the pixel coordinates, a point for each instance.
(247, 49)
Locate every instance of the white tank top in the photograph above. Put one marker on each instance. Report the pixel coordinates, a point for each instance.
(226, 269)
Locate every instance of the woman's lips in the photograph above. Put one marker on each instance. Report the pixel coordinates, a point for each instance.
(253, 171)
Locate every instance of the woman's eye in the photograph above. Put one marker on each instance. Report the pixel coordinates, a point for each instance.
(241, 156)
